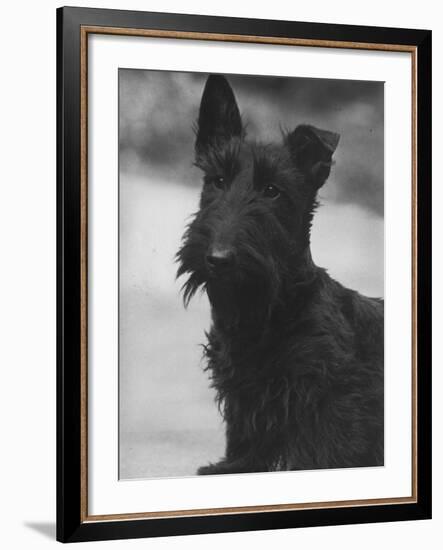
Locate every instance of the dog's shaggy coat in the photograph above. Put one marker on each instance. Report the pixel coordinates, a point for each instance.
(296, 359)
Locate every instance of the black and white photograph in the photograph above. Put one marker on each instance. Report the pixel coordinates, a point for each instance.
(251, 274)
(243, 274)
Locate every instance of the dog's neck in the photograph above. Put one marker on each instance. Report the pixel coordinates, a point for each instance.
(246, 315)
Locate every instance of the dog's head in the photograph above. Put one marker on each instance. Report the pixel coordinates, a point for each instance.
(256, 203)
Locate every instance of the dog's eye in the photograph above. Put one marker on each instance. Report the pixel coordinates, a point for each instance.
(218, 182)
(271, 191)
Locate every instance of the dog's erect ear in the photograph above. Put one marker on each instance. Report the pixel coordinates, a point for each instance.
(312, 150)
(219, 118)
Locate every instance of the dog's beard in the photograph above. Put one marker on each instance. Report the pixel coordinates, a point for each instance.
(241, 307)
(196, 280)
(243, 298)
(191, 262)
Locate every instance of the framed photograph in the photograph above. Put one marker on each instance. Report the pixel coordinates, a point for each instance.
(244, 274)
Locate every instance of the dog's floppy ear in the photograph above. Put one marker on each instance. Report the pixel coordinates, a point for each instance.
(219, 118)
(312, 150)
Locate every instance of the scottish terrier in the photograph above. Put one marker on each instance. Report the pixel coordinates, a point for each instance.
(295, 358)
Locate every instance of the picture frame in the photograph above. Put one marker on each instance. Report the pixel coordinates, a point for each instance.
(75, 26)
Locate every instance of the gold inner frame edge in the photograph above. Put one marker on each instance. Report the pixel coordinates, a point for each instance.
(85, 30)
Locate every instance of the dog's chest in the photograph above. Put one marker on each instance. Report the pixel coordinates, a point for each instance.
(253, 384)
(265, 386)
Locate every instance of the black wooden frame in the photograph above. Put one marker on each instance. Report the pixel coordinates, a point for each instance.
(70, 526)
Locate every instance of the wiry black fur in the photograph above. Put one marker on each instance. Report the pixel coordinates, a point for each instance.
(296, 359)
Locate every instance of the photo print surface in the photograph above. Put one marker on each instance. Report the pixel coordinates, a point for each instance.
(251, 269)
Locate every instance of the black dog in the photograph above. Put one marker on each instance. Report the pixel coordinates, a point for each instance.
(296, 358)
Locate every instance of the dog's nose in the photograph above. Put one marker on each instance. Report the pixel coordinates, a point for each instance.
(220, 259)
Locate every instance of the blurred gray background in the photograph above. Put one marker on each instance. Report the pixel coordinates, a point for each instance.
(169, 424)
